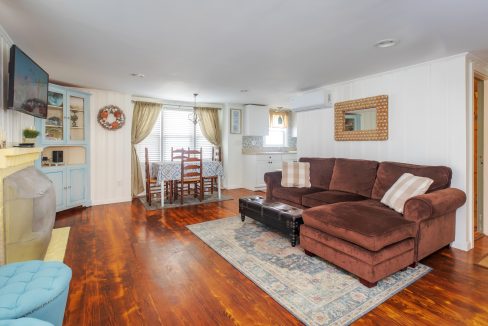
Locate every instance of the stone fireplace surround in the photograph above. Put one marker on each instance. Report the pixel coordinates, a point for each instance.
(11, 161)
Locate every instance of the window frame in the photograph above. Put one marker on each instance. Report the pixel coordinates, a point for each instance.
(205, 144)
(284, 131)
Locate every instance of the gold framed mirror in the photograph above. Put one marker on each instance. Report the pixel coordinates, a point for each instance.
(362, 119)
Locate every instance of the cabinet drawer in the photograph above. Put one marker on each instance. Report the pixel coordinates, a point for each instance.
(269, 158)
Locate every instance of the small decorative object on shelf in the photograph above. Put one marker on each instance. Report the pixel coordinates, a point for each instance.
(74, 118)
(30, 134)
(111, 117)
(55, 99)
(53, 121)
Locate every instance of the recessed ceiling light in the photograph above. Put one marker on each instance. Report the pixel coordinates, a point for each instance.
(139, 75)
(244, 90)
(386, 43)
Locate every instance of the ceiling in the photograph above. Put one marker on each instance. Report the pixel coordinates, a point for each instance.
(272, 48)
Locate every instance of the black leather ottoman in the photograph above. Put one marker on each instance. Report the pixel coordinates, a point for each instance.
(282, 217)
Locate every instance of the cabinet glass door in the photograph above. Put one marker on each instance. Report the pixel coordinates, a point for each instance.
(54, 124)
(77, 118)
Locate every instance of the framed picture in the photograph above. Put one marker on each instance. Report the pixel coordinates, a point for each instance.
(235, 121)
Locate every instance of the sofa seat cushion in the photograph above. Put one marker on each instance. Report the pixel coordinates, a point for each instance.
(367, 256)
(367, 223)
(292, 194)
(355, 176)
(329, 197)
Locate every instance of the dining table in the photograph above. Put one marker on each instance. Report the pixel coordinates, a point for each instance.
(171, 170)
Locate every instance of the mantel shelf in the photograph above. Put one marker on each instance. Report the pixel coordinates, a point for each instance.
(10, 157)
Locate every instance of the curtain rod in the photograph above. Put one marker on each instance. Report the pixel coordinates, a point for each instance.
(175, 103)
(184, 106)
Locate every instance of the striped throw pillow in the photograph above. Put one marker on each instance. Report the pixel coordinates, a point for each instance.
(296, 174)
(406, 187)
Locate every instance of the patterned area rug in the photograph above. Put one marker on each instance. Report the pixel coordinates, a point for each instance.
(315, 292)
(484, 262)
(188, 202)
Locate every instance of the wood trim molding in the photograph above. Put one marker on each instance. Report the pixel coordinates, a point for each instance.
(380, 133)
(6, 37)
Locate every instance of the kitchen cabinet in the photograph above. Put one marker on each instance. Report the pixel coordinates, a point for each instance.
(256, 120)
(255, 166)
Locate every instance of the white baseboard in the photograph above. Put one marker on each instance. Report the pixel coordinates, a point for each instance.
(465, 246)
(97, 202)
(229, 187)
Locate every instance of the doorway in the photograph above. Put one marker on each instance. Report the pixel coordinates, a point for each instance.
(478, 119)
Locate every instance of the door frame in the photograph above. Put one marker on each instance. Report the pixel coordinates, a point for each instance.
(477, 69)
(482, 120)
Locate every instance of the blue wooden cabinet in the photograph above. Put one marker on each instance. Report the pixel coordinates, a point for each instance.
(76, 186)
(58, 177)
(66, 129)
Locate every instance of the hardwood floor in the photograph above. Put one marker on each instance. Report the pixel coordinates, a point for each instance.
(132, 267)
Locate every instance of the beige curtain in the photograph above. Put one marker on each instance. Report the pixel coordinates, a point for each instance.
(143, 120)
(278, 119)
(208, 119)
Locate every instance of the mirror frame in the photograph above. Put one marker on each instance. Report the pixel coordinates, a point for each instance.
(380, 133)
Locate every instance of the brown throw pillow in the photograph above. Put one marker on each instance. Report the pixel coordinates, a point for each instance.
(296, 174)
(406, 187)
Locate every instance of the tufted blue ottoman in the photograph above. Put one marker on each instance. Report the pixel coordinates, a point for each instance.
(34, 289)
(24, 322)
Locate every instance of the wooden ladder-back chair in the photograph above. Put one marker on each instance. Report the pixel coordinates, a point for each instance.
(210, 183)
(177, 154)
(152, 188)
(191, 174)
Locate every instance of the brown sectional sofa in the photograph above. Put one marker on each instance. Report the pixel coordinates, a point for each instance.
(346, 224)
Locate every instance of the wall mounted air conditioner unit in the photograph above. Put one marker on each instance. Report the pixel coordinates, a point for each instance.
(311, 100)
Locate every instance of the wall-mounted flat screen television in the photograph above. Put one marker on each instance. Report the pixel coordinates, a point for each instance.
(28, 83)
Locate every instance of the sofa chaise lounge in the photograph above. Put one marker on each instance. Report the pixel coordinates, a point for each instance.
(346, 224)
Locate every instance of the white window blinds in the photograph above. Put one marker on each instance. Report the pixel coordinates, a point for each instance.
(173, 129)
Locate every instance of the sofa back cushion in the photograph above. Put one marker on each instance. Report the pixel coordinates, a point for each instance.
(389, 172)
(320, 171)
(354, 176)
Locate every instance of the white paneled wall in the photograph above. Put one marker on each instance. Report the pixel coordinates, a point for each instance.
(427, 123)
(232, 148)
(11, 122)
(110, 151)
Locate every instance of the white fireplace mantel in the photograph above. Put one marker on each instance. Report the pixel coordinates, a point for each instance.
(13, 160)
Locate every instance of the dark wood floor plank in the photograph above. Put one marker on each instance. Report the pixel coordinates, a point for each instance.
(137, 267)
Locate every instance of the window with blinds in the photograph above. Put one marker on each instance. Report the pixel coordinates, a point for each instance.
(173, 129)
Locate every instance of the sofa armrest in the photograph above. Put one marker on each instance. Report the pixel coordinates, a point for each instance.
(272, 179)
(433, 204)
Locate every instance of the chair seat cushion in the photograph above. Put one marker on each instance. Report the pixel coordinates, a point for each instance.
(292, 194)
(367, 223)
(29, 286)
(329, 197)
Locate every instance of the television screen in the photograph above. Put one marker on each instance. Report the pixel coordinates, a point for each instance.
(28, 85)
